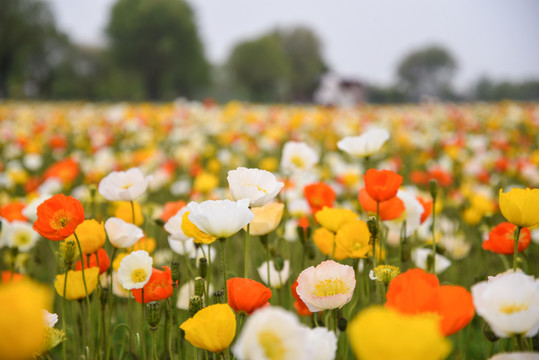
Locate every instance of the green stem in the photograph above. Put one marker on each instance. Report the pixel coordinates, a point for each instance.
(108, 341)
(434, 235)
(133, 212)
(143, 341)
(266, 245)
(515, 254)
(154, 347)
(222, 241)
(64, 343)
(335, 321)
(85, 288)
(245, 272)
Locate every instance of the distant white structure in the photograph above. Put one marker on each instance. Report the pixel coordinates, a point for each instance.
(337, 91)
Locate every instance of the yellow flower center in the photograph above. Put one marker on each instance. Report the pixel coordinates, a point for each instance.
(138, 275)
(297, 161)
(60, 219)
(509, 309)
(21, 238)
(272, 345)
(126, 186)
(330, 287)
(258, 187)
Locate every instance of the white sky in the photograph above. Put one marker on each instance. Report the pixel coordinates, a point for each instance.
(361, 38)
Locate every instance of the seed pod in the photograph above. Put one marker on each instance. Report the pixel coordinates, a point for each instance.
(153, 314)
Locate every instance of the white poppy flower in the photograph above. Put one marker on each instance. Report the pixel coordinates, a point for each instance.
(174, 226)
(516, 356)
(321, 344)
(123, 185)
(135, 270)
(30, 210)
(420, 258)
(367, 144)
(220, 218)
(298, 156)
(259, 186)
(19, 234)
(272, 333)
(412, 214)
(122, 234)
(329, 285)
(277, 278)
(49, 319)
(509, 302)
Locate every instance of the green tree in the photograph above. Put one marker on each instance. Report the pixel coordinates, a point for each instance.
(283, 65)
(27, 33)
(427, 72)
(158, 40)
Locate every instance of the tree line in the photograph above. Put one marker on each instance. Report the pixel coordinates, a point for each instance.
(154, 52)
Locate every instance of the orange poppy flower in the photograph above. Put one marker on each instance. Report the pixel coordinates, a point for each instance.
(417, 292)
(299, 305)
(171, 208)
(389, 210)
(382, 185)
(7, 276)
(157, 288)
(58, 217)
(104, 261)
(13, 211)
(501, 239)
(246, 295)
(319, 195)
(427, 208)
(66, 170)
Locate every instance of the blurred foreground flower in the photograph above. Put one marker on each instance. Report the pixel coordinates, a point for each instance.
(212, 328)
(520, 206)
(379, 333)
(509, 302)
(58, 217)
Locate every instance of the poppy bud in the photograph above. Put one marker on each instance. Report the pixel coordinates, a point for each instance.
(373, 227)
(489, 334)
(104, 296)
(175, 271)
(153, 314)
(433, 188)
(69, 252)
(264, 240)
(342, 324)
(195, 305)
(278, 262)
(310, 250)
(203, 267)
(199, 286)
(219, 297)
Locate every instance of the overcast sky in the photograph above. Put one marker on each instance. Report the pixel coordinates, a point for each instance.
(364, 39)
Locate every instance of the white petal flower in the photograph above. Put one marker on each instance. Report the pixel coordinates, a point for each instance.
(49, 319)
(516, 356)
(19, 235)
(509, 302)
(412, 214)
(298, 156)
(420, 258)
(259, 186)
(277, 278)
(30, 210)
(220, 218)
(366, 144)
(329, 285)
(321, 344)
(123, 185)
(122, 234)
(135, 270)
(271, 333)
(174, 226)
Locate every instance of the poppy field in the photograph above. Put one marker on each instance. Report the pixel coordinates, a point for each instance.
(192, 230)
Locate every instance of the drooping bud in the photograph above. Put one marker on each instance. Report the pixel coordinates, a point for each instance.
(175, 271)
(195, 305)
(310, 250)
(202, 267)
(104, 296)
(342, 324)
(153, 314)
(278, 263)
(489, 334)
(433, 188)
(373, 227)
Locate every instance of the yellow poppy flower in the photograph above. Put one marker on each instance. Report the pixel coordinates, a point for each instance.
(22, 328)
(325, 240)
(378, 333)
(91, 236)
(353, 238)
(212, 328)
(75, 284)
(191, 230)
(125, 212)
(520, 206)
(332, 219)
(266, 219)
(205, 182)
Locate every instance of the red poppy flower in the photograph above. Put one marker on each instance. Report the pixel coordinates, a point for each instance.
(58, 217)
(417, 292)
(104, 261)
(299, 305)
(319, 195)
(7, 276)
(13, 211)
(246, 295)
(157, 288)
(171, 208)
(66, 170)
(427, 208)
(389, 210)
(382, 185)
(501, 239)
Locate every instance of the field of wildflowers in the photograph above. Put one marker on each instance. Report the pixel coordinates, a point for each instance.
(199, 231)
